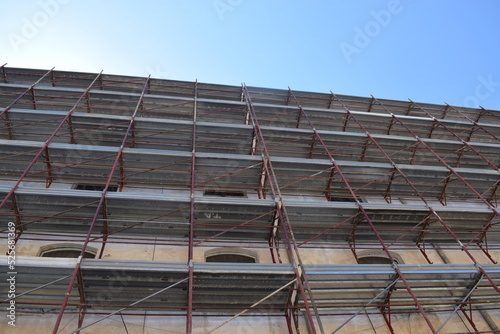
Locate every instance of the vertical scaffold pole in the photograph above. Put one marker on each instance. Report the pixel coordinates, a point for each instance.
(291, 245)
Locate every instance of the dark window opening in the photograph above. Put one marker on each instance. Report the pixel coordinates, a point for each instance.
(224, 193)
(235, 258)
(342, 199)
(68, 253)
(377, 257)
(95, 187)
(374, 260)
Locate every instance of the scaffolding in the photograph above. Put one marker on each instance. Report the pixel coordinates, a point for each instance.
(296, 170)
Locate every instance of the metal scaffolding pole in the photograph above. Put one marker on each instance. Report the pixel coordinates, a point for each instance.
(474, 122)
(133, 304)
(460, 304)
(5, 113)
(102, 200)
(390, 286)
(287, 230)
(253, 305)
(46, 144)
(35, 159)
(367, 218)
(189, 313)
(432, 210)
(464, 142)
(297, 174)
(454, 172)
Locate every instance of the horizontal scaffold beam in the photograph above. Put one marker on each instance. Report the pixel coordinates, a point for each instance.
(337, 288)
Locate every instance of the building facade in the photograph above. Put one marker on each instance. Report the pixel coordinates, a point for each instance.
(140, 205)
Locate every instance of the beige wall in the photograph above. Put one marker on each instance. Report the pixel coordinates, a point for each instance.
(145, 249)
(374, 323)
(414, 323)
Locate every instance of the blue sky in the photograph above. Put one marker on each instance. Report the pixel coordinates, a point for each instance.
(429, 51)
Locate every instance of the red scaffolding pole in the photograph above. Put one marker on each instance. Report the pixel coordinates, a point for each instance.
(100, 205)
(367, 218)
(285, 224)
(189, 313)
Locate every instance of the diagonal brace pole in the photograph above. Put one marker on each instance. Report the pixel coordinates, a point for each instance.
(254, 305)
(133, 304)
(364, 308)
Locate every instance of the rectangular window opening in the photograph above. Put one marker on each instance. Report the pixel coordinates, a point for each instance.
(224, 193)
(343, 199)
(95, 187)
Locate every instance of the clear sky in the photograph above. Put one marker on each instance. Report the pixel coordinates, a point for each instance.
(429, 51)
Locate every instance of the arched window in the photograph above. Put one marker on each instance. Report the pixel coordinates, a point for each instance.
(66, 250)
(377, 257)
(232, 255)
